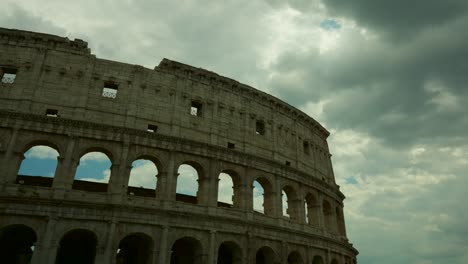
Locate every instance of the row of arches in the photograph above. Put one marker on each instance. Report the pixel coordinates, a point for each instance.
(94, 169)
(79, 246)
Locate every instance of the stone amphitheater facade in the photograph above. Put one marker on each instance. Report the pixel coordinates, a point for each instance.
(55, 93)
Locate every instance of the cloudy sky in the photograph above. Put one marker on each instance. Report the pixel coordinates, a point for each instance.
(389, 79)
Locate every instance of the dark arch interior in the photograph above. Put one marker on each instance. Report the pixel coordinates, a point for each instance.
(229, 253)
(134, 249)
(16, 244)
(294, 258)
(317, 260)
(264, 255)
(77, 247)
(186, 251)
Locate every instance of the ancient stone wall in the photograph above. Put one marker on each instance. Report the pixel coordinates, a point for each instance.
(55, 93)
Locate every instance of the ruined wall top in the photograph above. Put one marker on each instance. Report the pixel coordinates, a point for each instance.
(42, 40)
(203, 75)
(55, 76)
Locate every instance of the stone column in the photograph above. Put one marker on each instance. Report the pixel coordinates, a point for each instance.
(277, 197)
(120, 173)
(245, 191)
(209, 184)
(211, 248)
(45, 250)
(163, 250)
(110, 250)
(321, 217)
(298, 215)
(11, 160)
(65, 172)
(168, 185)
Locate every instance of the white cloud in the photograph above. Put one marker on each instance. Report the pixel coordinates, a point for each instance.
(94, 156)
(225, 188)
(258, 199)
(104, 177)
(41, 152)
(187, 180)
(442, 98)
(143, 174)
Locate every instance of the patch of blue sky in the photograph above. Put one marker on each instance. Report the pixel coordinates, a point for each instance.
(225, 190)
(143, 174)
(330, 24)
(94, 166)
(38, 167)
(187, 180)
(351, 180)
(39, 161)
(258, 197)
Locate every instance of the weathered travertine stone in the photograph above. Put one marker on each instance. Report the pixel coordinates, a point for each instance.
(196, 117)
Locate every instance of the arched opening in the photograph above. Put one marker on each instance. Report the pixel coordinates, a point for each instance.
(317, 260)
(135, 249)
(17, 244)
(263, 200)
(312, 210)
(258, 197)
(93, 172)
(143, 178)
(77, 247)
(265, 255)
(38, 166)
(295, 258)
(334, 261)
(340, 227)
(284, 204)
(227, 189)
(290, 203)
(186, 250)
(187, 184)
(328, 215)
(229, 253)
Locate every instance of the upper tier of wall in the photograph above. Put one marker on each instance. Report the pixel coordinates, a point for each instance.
(56, 73)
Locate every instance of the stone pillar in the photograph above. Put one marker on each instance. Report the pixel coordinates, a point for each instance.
(211, 248)
(249, 245)
(245, 191)
(163, 249)
(283, 256)
(321, 217)
(209, 185)
(45, 251)
(120, 173)
(65, 172)
(168, 181)
(110, 250)
(11, 160)
(277, 197)
(298, 214)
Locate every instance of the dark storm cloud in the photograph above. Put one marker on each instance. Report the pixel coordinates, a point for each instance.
(379, 80)
(18, 18)
(400, 18)
(390, 83)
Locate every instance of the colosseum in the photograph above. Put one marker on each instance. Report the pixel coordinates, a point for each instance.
(56, 94)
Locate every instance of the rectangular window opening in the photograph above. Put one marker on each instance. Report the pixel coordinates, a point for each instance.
(152, 128)
(288, 163)
(109, 90)
(260, 127)
(196, 108)
(231, 145)
(52, 112)
(306, 147)
(8, 75)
